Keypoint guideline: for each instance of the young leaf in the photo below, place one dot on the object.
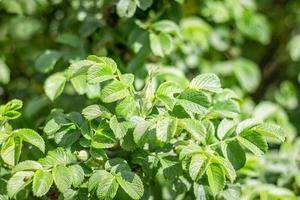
(100, 72)
(92, 112)
(42, 182)
(11, 150)
(165, 129)
(194, 127)
(54, 85)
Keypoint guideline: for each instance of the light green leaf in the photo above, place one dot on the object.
(79, 84)
(195, 127)
(225, 128)
(198, 166)
(58, 156)
(227, 166)
(228, 108)
(140, 130)
(30, 136)
(118, 128)
(18, 182)
(216, 178)
(62, 177)
(293, 48)
(246, 125)
(92, 112)
(54, 85)
(114, 91)
(106, 184)
(191, 107)
(166, 26)
(131, 184)
(161, 44)
(127, 107)
(126, 8)
(27, 165)
(11, 150)
(42, 182)
(208, 82)
(46, 62)
(144, 4)
(100, 72)
(165, 129)
(77, 175)
(4, 73)
(270, 130)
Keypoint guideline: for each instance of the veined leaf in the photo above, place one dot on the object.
(246, 125)
(192, 107)
(216, 178)
(127, 107)
(11, 150)
(208, 82)
(77, 175)
(225, 128)
(165, 129)
(131, 184)
(100, 72)
(114, 91)
(270, 130)
(62, 177)
(198, 166)
(195, 127)
(253, 141)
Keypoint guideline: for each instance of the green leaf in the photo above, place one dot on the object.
(246, 125)
(228, 108)
(144, 4)
(79, 84)
(77, 175)
(131, 184)
(18, 182)
(127, 107)
(270, 130)
(100, 72)
(225, 128)
(27, 165)
(165, 129)
(216, 178)
(247, 73)
(191, 107)
(195, 96)
(58, 156)
(4, 73)
(227, 166)
(126, 8)
(235, 154)
(253, 141)
(139, 131)
(208, 82)
(92, 112)
(106, 184)
(293, 48)
(54, 85)
(198, 166)
(42, 182)
(161, 44)
(118, 128)
(11, 150)
(46, 62)
(114, 91)
(30, 136)
(62, 177)
(195, 127)
(166, 26)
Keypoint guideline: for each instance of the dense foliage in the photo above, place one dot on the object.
(148, 99)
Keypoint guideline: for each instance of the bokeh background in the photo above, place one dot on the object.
(253, 46)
